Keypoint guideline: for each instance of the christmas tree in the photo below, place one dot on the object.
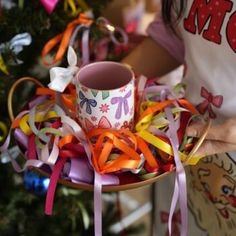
(25, 28)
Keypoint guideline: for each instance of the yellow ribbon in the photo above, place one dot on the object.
(24, 126)
(3, 129)
(74, 7)
(3, 66)
(143, 124)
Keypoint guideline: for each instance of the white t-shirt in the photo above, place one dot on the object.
(208, 33)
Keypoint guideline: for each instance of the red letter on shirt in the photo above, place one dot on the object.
(231, 31)
(213, 12)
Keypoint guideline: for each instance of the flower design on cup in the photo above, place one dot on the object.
(122, 102)
(104, 108)
(88, 102)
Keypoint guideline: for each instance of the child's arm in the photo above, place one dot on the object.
(158, 54)
(151, 59)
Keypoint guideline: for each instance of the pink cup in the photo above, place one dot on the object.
(105, 95)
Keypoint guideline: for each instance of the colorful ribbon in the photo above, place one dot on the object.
(113, 31)
(63, 39)
(49, 135)
(151, 115)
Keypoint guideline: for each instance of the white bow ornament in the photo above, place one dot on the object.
(60, 77)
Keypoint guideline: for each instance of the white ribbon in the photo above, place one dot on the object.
(60, 77)
(16, 45)
(20, 40)
(8, 4)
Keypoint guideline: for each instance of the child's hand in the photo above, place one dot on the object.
(220, 138)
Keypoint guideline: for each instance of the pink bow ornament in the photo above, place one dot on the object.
(49, 5)
(210, 100)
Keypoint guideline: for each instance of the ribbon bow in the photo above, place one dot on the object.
(60, 77)
(16, 45)
(175, 220)
(122, 101)
(210, 100)
(89, 103)
(49, 5)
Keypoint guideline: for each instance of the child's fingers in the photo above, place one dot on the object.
(210, 147)
(225, 132)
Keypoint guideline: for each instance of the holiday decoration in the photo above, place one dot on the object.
(34, 183)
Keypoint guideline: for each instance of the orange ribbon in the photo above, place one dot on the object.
(108, 140)
(157, 106)
(68, 98)
(63, 39)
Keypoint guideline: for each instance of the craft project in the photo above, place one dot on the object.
(61, 136)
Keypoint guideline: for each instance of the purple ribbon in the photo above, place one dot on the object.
(97, 203)
(180, 189)
(49, 5)
(21, 138)
(85, 42)
(122, 101)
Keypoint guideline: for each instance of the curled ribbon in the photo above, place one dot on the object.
(54, 138)
(107, 140)
(61, 77)
(63, 39)
(112, 31)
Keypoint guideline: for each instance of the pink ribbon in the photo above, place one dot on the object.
(210, 100)
(49, 5)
